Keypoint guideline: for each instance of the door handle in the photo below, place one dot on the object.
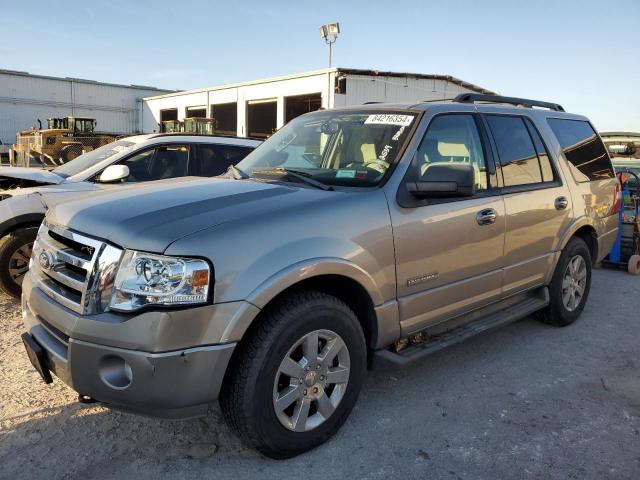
(561, 203)
(486, 217)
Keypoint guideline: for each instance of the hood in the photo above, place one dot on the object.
(48, 190)
(32, 175)
(153, 215)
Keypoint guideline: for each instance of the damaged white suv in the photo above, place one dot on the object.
(26, 191)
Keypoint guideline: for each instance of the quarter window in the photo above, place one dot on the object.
(518, 159)
(453, 139)
(583, 149)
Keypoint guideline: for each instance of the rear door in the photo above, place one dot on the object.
(448, 250)
(537, 204)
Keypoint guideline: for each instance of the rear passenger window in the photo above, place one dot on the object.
(215, 159)
(543, 155)
(583, 149)
(518, 158)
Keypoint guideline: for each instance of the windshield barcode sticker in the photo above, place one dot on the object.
(390, 119)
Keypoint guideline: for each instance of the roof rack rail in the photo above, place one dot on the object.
(524, 102)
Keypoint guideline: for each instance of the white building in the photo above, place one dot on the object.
(25, 98)
(258, 108)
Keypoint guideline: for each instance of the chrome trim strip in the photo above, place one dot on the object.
(67, 302)
(65, 279)
(63, 253)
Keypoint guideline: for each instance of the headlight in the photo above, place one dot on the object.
(147, 279)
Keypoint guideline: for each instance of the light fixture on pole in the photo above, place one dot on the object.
(329, 33)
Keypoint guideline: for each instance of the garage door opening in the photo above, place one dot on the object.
(168, 114)
(262, 118)
(196, 112)
(301, 104)
(226, 115)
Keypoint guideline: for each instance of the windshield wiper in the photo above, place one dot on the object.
(301, 176)
(236, 173)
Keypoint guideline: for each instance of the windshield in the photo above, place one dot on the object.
(335, 147)
(89, 159)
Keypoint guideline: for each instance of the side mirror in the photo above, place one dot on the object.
(443, 179)
(114, 173)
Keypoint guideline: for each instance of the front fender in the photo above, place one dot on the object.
(21, 210)
(285, 278)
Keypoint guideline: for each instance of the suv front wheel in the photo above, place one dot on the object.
(570, 285)
(15, 252)
(295, 379)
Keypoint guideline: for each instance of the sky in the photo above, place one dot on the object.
(583, 54)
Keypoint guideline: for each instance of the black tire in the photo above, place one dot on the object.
(70, 152)
(247, 400)
(20, 239)
(557, 314)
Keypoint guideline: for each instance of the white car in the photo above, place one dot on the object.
(26, 192)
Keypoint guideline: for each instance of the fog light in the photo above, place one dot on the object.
(115, 372)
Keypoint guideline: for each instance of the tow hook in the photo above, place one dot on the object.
(86, 399)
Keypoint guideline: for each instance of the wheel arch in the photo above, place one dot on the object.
(338, 278)
(584, 229)
(20, 221)
(590, 237)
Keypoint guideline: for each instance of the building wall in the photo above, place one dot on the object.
(242, 94)
(25, 98)
(360, 89)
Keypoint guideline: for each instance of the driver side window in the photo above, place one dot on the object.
(453, 139)
(167, 161)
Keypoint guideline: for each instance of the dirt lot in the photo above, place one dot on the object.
(528, 401)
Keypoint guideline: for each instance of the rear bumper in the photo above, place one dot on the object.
(178, 383)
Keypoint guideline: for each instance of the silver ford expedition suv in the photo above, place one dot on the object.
(377, 231)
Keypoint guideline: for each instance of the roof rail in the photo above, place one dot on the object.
(523, 102)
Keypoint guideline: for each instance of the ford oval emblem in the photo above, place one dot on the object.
(46, 260)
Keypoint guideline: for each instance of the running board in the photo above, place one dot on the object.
(498, 319)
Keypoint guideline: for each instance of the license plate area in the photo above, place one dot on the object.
(37, 356)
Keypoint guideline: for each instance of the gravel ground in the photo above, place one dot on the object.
(528, 401)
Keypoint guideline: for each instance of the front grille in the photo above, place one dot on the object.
(66, 266)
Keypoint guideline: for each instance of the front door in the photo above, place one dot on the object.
(449, 250)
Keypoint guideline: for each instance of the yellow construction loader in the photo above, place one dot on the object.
(63, 140)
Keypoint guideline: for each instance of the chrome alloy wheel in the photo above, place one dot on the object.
(311, 380)
(19, 262)
(574, 283)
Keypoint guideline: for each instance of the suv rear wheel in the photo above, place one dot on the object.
(295, 379)
(570, 285)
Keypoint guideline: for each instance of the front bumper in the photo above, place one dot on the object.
(176, 383)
